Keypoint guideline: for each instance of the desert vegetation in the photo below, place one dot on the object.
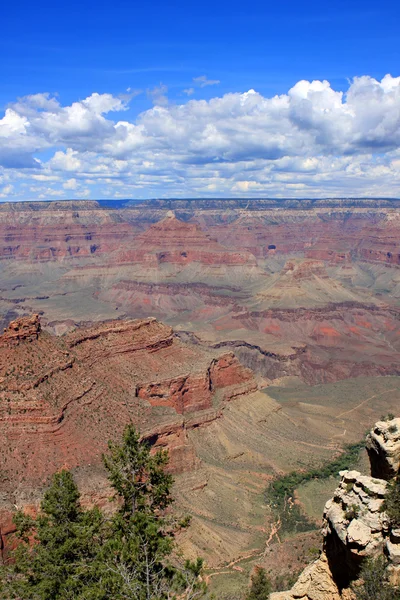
(260, 587)
(392, 501)
(280, 494)
(373, 583)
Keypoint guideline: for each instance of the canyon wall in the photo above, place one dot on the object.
(62, 399)
(338, 232)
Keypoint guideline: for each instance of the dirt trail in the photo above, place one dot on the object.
(347, 412)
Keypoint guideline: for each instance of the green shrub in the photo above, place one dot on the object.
(373, 582)
(352, 512)
(391, 503)
(388, 417)
(280, 493)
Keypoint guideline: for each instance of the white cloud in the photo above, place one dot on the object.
(158, 95)
(203, 81)
(6, 191)
(65, 161)
(189, 91)
(70, 184)
(314, 140)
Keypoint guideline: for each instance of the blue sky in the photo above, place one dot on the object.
(166, 54)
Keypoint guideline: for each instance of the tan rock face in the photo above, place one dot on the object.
(354, 516)
(315, 583)
(383, 446)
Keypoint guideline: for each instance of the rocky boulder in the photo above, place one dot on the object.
(25, 328)
(315, 583)
(383, 447)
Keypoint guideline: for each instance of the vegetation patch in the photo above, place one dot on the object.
(373, 582)
(391, 504)
(280, 494)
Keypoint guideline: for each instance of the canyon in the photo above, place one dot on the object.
(249, 338)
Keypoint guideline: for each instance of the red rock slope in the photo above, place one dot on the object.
(61, 399)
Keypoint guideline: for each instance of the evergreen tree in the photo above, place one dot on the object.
(135, 559)
(260, 587)
(68, 553)
(56, 550)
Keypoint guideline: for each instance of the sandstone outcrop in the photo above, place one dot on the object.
(315, 583)
(383, 447)
(355, 528)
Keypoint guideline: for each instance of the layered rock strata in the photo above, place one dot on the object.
(338, 232)
(26, 328)
(61, 399)
(174, 241)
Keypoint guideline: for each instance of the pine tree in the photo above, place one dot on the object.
(56, 550)
(68, 553)
(260, 587)
(135, 558)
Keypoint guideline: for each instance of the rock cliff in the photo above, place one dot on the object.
(355, 525)
(383, 447)
(320, 276)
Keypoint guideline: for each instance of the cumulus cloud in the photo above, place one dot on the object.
(189, 91)
(313, 140)
(70, 184)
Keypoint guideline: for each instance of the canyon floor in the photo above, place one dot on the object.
(250, 339)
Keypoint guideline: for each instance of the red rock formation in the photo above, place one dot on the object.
(190, 393)
(62, 230)
(185, 393)
(227, 370)
(42, 232)
(25, 328)
(61, 399)
(173, 241)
